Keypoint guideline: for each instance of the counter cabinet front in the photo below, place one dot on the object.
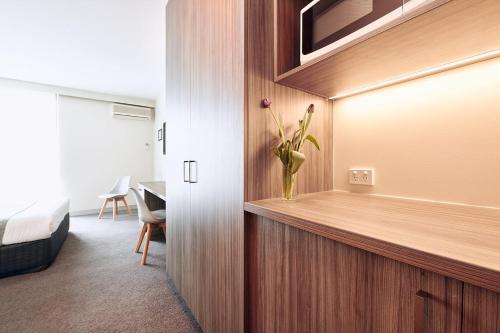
(299, 281)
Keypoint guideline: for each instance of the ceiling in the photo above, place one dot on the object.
(107, 46)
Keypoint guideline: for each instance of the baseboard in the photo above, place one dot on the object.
(97, 210)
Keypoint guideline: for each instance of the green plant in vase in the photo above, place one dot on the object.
(289, 151)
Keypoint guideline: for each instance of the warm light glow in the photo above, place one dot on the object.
(422, 73)
(434, 138)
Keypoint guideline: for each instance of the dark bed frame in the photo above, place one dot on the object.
(32, 256)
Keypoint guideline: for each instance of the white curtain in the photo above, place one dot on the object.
(29, 164)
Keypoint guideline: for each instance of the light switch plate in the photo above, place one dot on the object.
(362, 177)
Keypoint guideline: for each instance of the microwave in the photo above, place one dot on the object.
(328, 25)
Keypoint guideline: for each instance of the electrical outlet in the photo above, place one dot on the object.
(362, 177)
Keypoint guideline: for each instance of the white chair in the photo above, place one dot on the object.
(151, 220)
(117, 193)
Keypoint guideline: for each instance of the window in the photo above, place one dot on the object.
(29, 166)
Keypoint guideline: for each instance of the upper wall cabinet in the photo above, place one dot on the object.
(327, 26)
(330, 47)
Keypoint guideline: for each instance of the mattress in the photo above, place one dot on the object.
(32, 256)
(31, 221)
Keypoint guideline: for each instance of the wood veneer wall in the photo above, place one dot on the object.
(287, 34)
(262, 168)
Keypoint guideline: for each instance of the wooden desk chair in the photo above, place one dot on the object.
(151, 220)
(117, 193)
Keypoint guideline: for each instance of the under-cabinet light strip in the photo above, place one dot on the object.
(422, 73)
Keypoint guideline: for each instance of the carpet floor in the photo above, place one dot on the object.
(96, 284)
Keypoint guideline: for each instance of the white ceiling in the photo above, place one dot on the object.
(108, 46)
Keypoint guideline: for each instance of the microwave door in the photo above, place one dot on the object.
(339, 15)
(329, 24)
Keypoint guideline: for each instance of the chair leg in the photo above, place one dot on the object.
(126, 205)
(141, 237)
(146, 246)
(115, 209)
(103, 208)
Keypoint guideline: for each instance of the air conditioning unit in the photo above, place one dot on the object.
(124, 111)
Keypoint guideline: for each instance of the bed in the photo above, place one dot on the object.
(31, 234)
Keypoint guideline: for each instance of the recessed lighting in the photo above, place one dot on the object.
(422, 73)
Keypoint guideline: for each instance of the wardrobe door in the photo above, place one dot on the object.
(217, 109)
(177, 101)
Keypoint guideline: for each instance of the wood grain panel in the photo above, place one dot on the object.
(458, 241)
(287, 34)
(481, 310)
(217, 133)
(177, 113)
(457, 29)
(301, 282)
(205, 81)
(262, 168)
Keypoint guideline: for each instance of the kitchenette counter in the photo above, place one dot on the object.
(461, 242)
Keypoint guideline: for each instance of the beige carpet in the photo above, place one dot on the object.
(96, 284)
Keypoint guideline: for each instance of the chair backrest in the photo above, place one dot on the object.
(142, 210)
(121, 186)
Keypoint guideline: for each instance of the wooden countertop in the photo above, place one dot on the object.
(462, 242)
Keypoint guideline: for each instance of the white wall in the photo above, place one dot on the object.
(435, 138)
(160, 160)
(96, 149)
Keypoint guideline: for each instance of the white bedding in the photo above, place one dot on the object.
(33, 220)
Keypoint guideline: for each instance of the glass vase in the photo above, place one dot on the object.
(288, 183)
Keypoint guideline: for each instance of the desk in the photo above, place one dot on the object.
(153, 194)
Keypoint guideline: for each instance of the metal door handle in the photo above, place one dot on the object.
(193, 172)
(186, 172)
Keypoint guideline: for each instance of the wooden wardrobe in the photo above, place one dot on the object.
(204, 148)
(219, 65)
